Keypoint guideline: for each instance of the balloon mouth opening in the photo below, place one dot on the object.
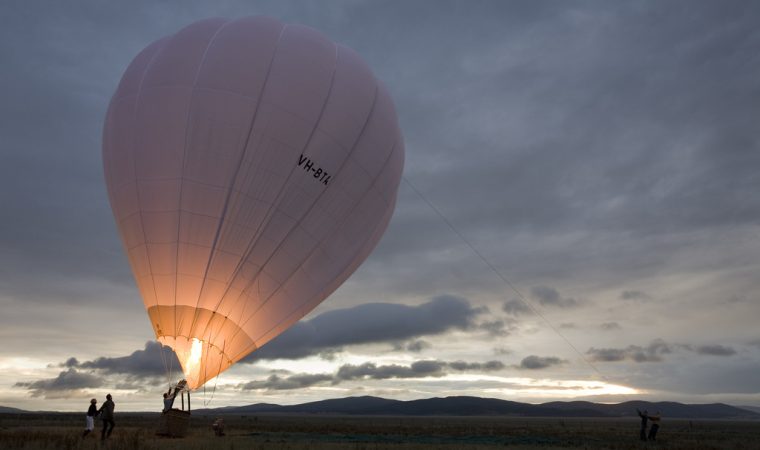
(191, 353)
(201, 355)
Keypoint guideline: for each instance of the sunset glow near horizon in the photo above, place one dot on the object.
(600, 157)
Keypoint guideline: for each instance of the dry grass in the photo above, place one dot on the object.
(137, 431)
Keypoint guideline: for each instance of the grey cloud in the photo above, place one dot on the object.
(492, 365)
(277, 383)
(370, 371)
(634, 295)
(148, 362)
(496, 328)
(71, 362)
(698, 376)
(425, 368)
(652, 353)
(548, 296)
(418, 346)
(68, 383)
(516, 308)
(715, 350)
(738, 299)
(607, 354)
(415, 346)
(610, 326)
(708, 349)
(486, 367)
(534, 362)
(135, 371)
(370, 323)
(329, 354)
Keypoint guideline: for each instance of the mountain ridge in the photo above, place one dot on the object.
(480, 406)
(475, 406)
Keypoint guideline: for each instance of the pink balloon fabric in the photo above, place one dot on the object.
(251, 166)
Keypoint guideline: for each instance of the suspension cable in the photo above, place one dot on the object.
(503, 278)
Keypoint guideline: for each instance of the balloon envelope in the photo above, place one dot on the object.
(251, 167)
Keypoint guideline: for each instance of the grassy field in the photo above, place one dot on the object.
(137, 431)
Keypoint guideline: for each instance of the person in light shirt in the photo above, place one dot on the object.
(92, 412)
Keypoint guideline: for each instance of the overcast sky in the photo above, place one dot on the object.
(603, 157)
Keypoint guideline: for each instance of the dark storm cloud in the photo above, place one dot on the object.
(614, 128)
(68, 383)
(534, 362)
(371, 371)
(52, 180)
(152, 361)
(548, 296)
(370, 323)
(652, 353)
(482, 93)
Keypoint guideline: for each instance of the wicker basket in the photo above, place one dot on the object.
(174, 423)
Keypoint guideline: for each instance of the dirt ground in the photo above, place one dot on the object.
(137, 431)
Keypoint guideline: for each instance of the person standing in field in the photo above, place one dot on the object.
(644, 417)
(106, 415)
(655, 426)
(90, 418)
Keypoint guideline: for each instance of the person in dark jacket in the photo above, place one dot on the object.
(92, 412)
(106, 415)
(644, 417)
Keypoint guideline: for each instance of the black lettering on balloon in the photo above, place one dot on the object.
(310, 166)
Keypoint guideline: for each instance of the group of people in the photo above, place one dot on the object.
(646, 417)
(105, 413)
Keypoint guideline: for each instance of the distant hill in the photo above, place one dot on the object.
(750, 408)
(9, 410)
(476, 406)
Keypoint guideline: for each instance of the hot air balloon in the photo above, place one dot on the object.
(251, 167)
